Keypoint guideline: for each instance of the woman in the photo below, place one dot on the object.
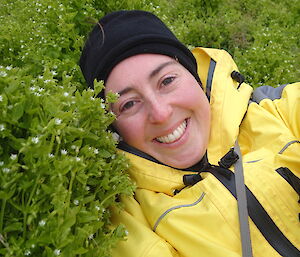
(180, 115)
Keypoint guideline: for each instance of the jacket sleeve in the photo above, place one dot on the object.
(286, 104)
(141, 241)
(289, 108)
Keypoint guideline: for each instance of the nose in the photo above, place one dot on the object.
(159, 111)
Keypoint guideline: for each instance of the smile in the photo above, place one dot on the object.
(175, 135)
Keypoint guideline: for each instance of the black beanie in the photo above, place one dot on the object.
(122, 34)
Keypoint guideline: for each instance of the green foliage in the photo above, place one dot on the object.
(262, 36)
(60, 173)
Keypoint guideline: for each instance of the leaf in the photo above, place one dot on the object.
(80, 250)
(17, 111)
(104, 153)
(17, 226)
(85, 217)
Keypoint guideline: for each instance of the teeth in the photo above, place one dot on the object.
(177, 133)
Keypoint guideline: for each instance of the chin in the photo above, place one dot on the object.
(184, 163)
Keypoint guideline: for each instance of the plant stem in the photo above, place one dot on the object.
(33, 191)
(2, 214)
(70, 188)
(109, 196)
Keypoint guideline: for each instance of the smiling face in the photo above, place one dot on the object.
(162, 110)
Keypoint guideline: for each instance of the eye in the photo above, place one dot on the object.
(167, 81)
(127, 106)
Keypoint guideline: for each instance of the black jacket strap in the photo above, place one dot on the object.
(261, 219)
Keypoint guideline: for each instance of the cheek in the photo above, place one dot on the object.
(192, 95)
(131, 130)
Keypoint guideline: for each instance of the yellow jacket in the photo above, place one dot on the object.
(202, 220)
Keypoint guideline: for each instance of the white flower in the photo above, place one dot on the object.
(40, 76)
(57, 252)
(37, 94)
(54, 72)
(66, 94)
(27, 253)
(64, 152)
(1, 98)
(50, 155)
(97, 208)
(47, 80)
(92, 98)
(57, 121)
(102, 105)
(116, 136)
(42, 223)
(32, 88)
(73, 147)
(96, 151)
(87, 188)
(41, 89)
(8, 67)
(76, 202)
(6, 170)
(2, 127)
(1, 163)
(126, 232)
(35, 140)
(13, 156)
(78, 159)
(91, 236)
(3, 74)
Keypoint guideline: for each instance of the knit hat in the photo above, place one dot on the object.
(122, 34)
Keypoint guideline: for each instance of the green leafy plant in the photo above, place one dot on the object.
(60, 172)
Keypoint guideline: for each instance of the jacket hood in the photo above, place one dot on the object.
(228, 99)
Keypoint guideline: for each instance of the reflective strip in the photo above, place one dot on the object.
(253, 161)
(174, 208)
(287, 145)
(242, 204)
(210, 75)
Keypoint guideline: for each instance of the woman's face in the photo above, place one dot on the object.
(161, 110)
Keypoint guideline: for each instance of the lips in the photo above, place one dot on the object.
(175, 135)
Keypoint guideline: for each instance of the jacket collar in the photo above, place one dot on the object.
(228, 102)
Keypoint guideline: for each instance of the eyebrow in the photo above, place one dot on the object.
(151, 75)
(160, 67)
(125, 90)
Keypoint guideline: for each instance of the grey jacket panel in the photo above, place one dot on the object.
(267, 92)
